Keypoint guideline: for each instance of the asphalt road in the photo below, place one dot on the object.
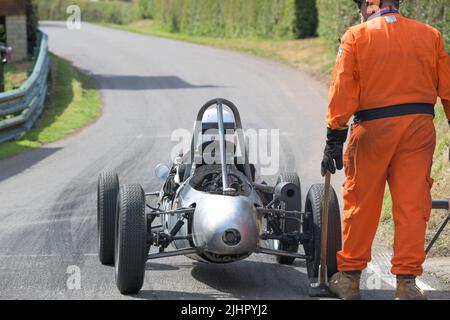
(151, 87)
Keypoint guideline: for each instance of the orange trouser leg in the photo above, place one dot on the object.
(410, 185)
(371, 148)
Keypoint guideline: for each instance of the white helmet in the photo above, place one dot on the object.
(210, 121)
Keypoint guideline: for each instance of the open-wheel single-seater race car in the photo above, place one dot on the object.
(212, 211)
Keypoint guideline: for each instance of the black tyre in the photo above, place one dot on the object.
(108, 190)
(313, 224)
(131, 240)
(289, 225)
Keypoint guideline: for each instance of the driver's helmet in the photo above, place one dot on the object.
(209, 139)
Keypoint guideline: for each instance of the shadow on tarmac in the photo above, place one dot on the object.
(138, 83)
(21, 162)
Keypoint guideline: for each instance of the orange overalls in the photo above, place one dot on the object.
(389, 60)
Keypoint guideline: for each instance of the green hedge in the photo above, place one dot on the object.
(237, 18)
(119, 12)
(336, 16)
(217, 18)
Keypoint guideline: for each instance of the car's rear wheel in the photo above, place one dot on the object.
(289, 225)
(107, 192)
(313, 225)
(131, 240)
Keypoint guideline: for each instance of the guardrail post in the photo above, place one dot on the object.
(2, 78)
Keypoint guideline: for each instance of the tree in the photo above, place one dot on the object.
(306, 18)
(32, 24)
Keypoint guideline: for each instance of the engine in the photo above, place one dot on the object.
(209, 179)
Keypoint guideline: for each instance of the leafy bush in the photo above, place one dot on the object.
(336, 16)
(146, 8)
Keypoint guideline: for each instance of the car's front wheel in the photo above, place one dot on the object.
(313, 226)
(131, 240)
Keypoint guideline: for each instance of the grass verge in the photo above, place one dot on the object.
(16, 74)
(73, 103)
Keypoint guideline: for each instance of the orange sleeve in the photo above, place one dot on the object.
(444, 76)
(345, 89)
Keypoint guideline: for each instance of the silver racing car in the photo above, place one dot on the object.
(212, 208)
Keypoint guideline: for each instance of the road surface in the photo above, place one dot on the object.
(150, 87)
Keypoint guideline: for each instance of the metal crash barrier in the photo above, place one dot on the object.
(20, 108)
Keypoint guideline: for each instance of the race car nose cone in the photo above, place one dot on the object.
(231, 237)
(225, 225)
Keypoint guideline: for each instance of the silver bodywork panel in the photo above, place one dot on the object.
(214, 214)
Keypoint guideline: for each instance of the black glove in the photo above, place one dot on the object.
(333, 155)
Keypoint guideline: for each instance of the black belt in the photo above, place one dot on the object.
(394, 111)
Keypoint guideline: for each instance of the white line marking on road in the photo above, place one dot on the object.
(381, 265)
(424, 286)
(46, 255)
(41, 222)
